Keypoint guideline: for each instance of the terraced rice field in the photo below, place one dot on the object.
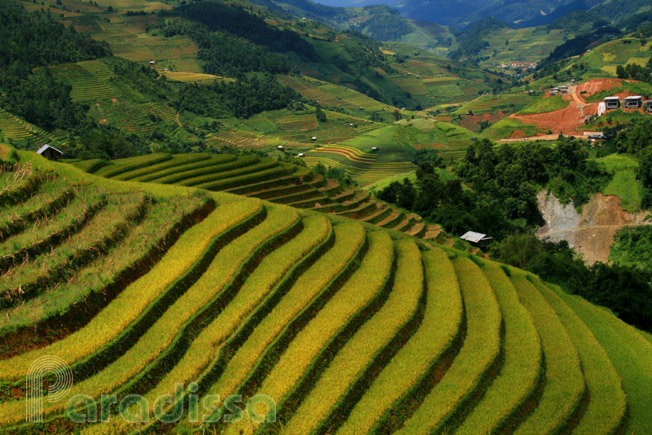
(13, 128)
(260, 177)
(236, 138)
(330, 95)
(363, 167)
(90, 82)
(301, 322)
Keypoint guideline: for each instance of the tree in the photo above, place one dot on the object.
(620, 72)
(645, 167)
(320, 115)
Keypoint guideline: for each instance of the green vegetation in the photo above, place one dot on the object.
(502, 185)
(395, 386)
(504, 129)
(549, 104)
(624, 183)
(632, 248)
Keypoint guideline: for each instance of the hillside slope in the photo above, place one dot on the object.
(344, 327)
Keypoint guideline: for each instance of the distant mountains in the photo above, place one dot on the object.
(378, 21)
(516, 13)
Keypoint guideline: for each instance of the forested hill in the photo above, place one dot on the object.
(31, 41)
(378, 21)
(235, 40)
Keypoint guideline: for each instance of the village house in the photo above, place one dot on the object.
(49, 152)
(634, 102)
(612, 103)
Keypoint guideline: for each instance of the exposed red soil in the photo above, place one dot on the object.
(517, 134)
(571, 119)
(596, 86)
(567, 120)
(472, 122)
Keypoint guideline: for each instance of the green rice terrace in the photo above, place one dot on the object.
(264, 178)
(145, 280)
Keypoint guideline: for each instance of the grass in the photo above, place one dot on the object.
(624, 184)
(91, 165)
(261, 166)
(179, 174)
(134, 300)
(349, 238)
(564, 378)
(608, 403)
(478, 354)
(508, 103)
(504, 128)
(543, 105)
(50, 232)
(353, 359)
(272, 172)
(359, 291)
(50, 198)
(104, 230)
(216, 162)
(522, 367)
(436, 334)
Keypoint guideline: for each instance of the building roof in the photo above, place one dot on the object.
(612, 98)
(634, 97)
(474, 237)
(45, 147)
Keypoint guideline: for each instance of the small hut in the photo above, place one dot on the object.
(50, 152)
(374, 149)
(477, 239)
(648, 106)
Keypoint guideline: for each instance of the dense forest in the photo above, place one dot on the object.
(30, 41)
(241, 99)
(498, 194)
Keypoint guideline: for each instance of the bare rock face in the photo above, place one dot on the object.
(590, 232)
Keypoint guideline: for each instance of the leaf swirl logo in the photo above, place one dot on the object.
(59, 379)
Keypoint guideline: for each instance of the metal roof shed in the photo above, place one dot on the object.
(50, 152)
(478, 239)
